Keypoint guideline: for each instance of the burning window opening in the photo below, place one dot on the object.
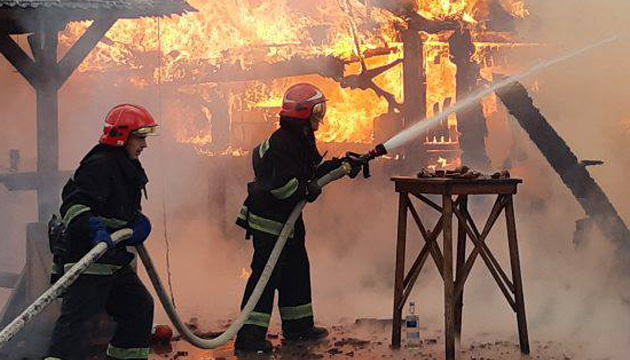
(234, 60)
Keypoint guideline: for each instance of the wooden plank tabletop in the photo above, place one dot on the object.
(458, 186)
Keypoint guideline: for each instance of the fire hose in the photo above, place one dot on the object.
(186, 333)
(73, 273)
(59, 287)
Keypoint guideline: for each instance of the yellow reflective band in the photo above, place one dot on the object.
(73, 212)
(287, 190)
(113, 223)
(258, 319)
(96, 269)
(265, 225)
(54, 268)
(296, 312)
(134, 353)
(78, 209)
(263, 148)
(243, 214)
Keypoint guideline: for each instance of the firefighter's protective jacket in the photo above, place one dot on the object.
(283, 165)
(108, 184)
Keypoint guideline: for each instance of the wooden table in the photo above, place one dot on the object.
(512, 287)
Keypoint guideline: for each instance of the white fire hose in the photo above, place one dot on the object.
(59, 287)
(258, 290)
(71, 276)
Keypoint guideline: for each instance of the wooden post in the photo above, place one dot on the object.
(461, 259)
(449, 286)
(47, 120)
(400, 270)
(516, 276)
(471, 122)
(414, 90)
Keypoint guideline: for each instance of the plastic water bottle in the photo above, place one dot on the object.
(412, 327)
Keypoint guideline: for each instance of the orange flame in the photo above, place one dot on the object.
(251, 31)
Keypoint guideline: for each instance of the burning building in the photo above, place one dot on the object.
(383, 64)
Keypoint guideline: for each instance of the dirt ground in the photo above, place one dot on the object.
(370, 339)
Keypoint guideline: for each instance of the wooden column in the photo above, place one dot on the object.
(46, 76)
(44, 47)
(471, 122)
(400, 270)
(516, 276)
(449, 286)
(461, 259)
(414, 91)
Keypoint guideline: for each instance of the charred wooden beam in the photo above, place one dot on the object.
(327, 66)
(365, 81)
(471, 122)
(574, 174)
(414, 89)
(415, 21)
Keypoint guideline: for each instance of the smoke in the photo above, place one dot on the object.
(573, 297)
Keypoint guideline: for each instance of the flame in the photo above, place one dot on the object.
(446, 9)
(246, 32)
(444, 164)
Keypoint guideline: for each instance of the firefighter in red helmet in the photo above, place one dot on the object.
(286, 167)
(103, 196)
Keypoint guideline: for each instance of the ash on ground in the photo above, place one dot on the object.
(370, 339)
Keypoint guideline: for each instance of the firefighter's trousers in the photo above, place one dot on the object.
(291, 277)
(122, 296)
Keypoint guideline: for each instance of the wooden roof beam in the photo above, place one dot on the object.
(82, 48)
(20, 60)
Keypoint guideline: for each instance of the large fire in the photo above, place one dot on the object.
(246, 32)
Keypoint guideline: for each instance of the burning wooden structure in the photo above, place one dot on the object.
(382, 64)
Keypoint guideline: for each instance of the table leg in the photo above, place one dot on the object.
(516, 276)
(461, 259)
(400, 270)
(449, 288)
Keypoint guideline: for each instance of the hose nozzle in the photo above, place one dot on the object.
(379, 150)
(363, 160)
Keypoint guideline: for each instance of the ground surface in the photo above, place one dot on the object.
(370, 339)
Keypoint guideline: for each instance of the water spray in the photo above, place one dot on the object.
(417, 129)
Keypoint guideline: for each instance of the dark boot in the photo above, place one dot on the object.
(312, 333)
(252, 339)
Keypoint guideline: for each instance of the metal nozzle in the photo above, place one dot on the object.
(379, 150)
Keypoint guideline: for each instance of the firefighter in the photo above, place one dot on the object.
(286, 167)
(103, 196)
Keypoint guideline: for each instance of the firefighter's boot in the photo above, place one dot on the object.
(310, 334)
(252, 339)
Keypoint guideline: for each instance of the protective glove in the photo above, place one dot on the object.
(99, 232)
(312, 191)
(355, 162)
(141, 227)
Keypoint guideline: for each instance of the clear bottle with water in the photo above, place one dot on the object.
(412, 326)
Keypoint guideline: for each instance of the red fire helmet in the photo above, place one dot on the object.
(125, 119)
(301, 100)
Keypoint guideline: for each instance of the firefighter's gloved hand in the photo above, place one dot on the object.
(141, 229)
(99, 232)
(312, 191)
(355, 163)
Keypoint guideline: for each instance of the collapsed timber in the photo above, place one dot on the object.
(573, 172)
